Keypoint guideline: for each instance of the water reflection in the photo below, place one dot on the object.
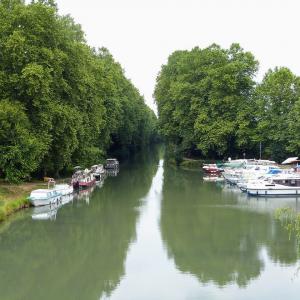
(112, 172)
(49, 212)
(81, 255)
(214, 235)
(84, 195)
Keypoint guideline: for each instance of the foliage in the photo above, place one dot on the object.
(20, 150)
(203, 98)
(208, 101)
(75, 102)
(277, 99)
(12, 206)
(290, 219)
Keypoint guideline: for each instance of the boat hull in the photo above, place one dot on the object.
(42, 202)
(87, 184)
(274, 192)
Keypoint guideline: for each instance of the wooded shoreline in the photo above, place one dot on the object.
(62, 102)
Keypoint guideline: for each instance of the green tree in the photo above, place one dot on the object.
(277, 98)
(204, 99)
(78, 101)
(20, 150)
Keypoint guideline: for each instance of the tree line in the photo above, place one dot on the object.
(62, 103)
(210, 105)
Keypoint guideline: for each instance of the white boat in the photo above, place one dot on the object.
(98, 172)
(44, 197)
(112, 163)
(250, 171)
(63, 189)
(256, 175)
(283, 185)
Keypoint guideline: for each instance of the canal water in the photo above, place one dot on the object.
(151, 232)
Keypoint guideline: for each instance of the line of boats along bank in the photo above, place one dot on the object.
(259, 178)
(81, 179)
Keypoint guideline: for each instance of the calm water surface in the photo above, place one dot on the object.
(152, 232)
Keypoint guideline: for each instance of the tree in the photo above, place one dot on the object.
(277, 98)
(203, 99)
(20, 150)
(77, 101)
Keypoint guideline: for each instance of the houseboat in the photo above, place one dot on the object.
(98, 172)
(86, 179)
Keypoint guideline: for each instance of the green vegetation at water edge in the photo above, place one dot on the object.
(209, 105)
(290, 219)
(9, 207)
(62, 103)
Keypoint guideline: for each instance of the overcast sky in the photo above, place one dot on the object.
(142, 34)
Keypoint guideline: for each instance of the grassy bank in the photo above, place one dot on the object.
(13, 197)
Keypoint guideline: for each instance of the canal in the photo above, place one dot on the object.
(151, 232)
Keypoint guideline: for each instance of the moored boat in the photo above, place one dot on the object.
(44, 197)
(98, 172)
(212, 169)
(63, 189)
(86, 179)
(284, 185)
(112, 163)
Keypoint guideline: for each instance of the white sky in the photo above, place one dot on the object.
(142, 34)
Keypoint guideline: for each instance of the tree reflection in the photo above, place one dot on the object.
(81, 255)
(209, 236)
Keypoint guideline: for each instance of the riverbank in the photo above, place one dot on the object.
(13, 197)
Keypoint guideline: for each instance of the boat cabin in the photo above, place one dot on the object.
(111, 163)
(288, 182)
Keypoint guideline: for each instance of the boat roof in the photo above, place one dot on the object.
(290, 160)
(41, 191)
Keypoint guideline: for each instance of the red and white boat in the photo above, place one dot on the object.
(83, 179)
(212, 169)
(87, 179)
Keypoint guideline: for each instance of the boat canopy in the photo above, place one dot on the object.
(290, 160)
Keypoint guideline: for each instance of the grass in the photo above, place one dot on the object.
(13, 206)
(13, 197)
